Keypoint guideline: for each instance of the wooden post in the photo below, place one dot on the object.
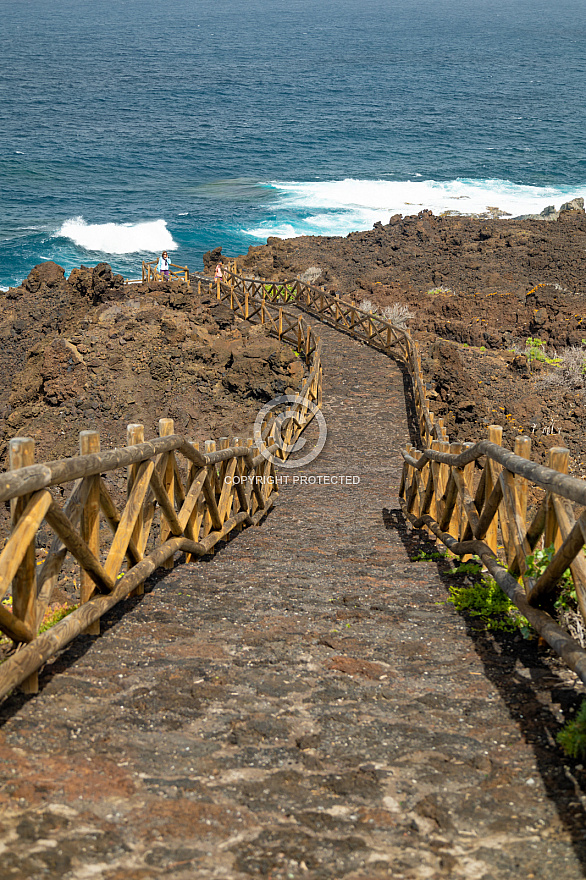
(443, 475)
(197, 517)
(218, 291)
(223, 443)
(495, 435)
(434, 475)
(24, 584)
(134, 436)
(236, 505)
(199, 288)
(522, 448)
(468, 476)
(166, 428)
(210, 446)
(558, 459)
(89, 442)
(456, 520)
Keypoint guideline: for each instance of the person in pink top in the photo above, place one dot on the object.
(219, 276)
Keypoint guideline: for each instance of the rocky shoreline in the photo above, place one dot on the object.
(477, 291)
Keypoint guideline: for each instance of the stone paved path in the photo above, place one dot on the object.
(299, 706)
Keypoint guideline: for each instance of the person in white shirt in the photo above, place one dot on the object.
(163, 265)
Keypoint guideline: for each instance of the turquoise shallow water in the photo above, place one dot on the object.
(129, 127)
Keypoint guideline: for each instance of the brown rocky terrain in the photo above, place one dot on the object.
(303, 705)
(88, 352)
(478, 289)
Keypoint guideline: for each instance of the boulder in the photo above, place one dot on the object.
(44, 275)
(573, 205)
(210, 259)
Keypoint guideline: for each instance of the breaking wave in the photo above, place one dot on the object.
(118, 238)
(337, 207)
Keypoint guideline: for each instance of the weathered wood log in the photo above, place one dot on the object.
(21, 452)
(113, 519)
(32, 478)
(160, 492)
(79, 549)
(192, 496)
(51, 567)
(20, 540)
(89, 443)
(166, 428)
(123, 535)
(570, 651)
(558, 459)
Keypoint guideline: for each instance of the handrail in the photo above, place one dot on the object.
(150, 273)
(348, 318)
(472, 497)
(179, 498)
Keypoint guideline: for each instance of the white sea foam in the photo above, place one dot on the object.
(118, 238)
(285, 230)
(337, 207)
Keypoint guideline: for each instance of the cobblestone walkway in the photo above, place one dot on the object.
(300, 706)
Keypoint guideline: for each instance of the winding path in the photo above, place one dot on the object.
(302, 705)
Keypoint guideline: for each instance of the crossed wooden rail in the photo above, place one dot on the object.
(368, 327)
(149, 272)
(483, 511)
(472, 497)
(179, 499)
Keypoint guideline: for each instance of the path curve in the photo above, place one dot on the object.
(298, 706)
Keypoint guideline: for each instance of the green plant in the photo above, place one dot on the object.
(566, 602)
(537, 562)
(52, 616)
(572, 737)
(421, 555)
(284, 292)
(468, 568)
(55, 614)
(437, 290)
(485, 599)
(534, 350)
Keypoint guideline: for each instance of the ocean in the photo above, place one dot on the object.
(137, 126)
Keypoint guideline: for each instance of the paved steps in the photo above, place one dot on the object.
(301, 705)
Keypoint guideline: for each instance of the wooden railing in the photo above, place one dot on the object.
(368, 327)
(176, 273)
(179, 498)
(472, 496)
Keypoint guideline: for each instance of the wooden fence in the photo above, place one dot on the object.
(176, 273)
(472, 496)
(368, 327)
(179, 498)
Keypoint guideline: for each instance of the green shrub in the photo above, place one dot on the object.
(538, 561)
(572, 737)
(485, 599)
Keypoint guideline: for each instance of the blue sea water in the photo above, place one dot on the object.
(129, 127)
